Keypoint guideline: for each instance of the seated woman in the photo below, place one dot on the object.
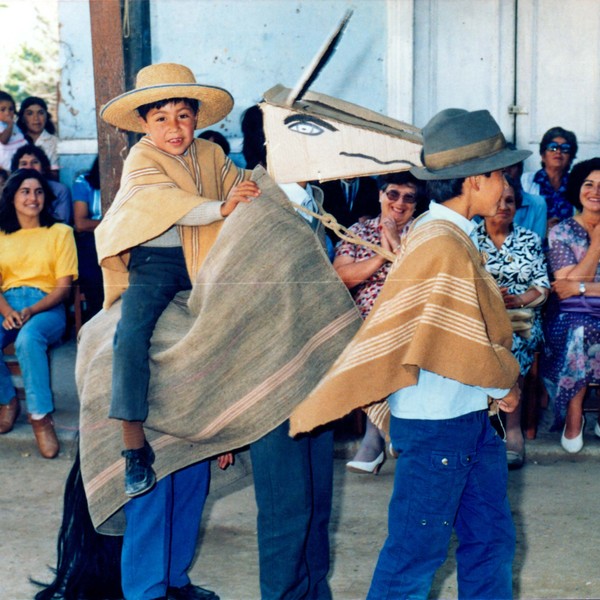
(38, 262)
(37, 126)
(572, 323)
(515, 259)
(364, 273)
(34, 157)
(558, 149)
(87, 214)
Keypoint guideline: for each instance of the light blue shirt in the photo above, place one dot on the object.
(435, 397)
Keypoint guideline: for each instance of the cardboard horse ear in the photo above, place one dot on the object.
(311, 136)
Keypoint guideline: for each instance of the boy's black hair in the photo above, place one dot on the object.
(146, 108)
(6, 97)
(9, 223)
(445, 189)
(35, 151)
(442, 190)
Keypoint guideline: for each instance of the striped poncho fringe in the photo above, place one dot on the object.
(266, 318)
(439, 310)
(157, 189)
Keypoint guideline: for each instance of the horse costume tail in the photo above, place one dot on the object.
(88, 563)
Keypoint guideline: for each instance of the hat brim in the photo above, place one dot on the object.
(477, 166)
(215, 104)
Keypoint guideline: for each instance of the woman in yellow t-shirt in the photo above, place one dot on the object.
(38, 262)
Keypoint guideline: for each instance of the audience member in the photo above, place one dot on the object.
(38, 262)
(401, 198)
(216, 138)
(34, 157)
(515, 259)
(558, 149)
(571, 360)
(532, 214)
(350, 201)
(11, 137)
(87, 213)
(35, 122)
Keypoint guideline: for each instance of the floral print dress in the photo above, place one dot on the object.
(518, 265)
(366, 293)
(571, 359)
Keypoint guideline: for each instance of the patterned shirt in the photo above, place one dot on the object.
(366, 292)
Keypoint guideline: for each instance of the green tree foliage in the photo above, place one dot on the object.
(33, 69)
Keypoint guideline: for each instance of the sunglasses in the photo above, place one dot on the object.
(395, 195)
(556, 147)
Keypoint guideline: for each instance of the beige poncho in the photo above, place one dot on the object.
(439, 310)
(157, 189)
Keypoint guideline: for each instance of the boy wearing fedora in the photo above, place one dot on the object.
(175, 191)
(451, 469)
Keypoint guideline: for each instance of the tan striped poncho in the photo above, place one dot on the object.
(157, 189)
(439, 310)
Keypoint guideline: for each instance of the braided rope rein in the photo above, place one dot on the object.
(342, 232)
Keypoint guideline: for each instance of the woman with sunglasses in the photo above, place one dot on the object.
(558, 149)
(364, 272)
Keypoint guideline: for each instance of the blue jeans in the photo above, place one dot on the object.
(161, 533)
(155, 276)
(293, 483)
(449, 473)
(31, 346)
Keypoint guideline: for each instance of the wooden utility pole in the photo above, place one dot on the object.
(115, 63)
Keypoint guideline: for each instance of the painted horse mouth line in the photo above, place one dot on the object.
(380, 162)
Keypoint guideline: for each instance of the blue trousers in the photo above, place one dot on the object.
(293, 482)
(31, 346)
(155, 276)
(449, 473)
(161, 533)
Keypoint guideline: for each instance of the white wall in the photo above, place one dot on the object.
(245, 46)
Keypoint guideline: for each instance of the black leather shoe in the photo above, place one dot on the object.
(139, 475)
(190, 592)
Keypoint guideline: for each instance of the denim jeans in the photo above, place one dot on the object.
(31, 346)
(155, 276)
(449, 473)
(162, 532)
(293, 483)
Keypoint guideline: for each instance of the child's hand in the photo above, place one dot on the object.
(224, 460)
(245, 192)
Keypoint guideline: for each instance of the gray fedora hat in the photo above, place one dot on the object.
(458, 143)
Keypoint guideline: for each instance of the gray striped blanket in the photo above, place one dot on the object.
(265, 320)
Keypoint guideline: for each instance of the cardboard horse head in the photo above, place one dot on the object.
(311, 136)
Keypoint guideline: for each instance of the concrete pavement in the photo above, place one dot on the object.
(553, 498)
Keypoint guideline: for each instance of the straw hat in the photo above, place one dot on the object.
(458, 143)
(161, 82)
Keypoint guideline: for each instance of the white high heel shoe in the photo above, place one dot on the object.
(357, 466)
(574, 445)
